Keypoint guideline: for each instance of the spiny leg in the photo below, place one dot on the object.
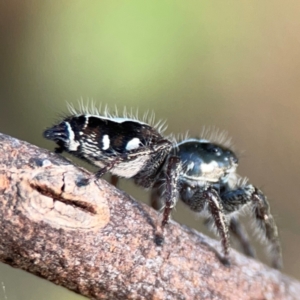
(156, 203)
(171, 192)
(199, 198)
(267, 223)
(212, 197)
(240, 233)
(233, 200)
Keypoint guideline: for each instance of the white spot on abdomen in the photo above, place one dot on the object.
(73, 144)
(105, 142)
(133, 144)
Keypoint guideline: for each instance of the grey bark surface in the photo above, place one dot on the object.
(99, 242)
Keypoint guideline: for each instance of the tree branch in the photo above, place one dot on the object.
(99, 242)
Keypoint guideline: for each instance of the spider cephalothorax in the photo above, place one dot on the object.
(200, 172)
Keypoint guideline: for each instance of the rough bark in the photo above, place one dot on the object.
(101, 243)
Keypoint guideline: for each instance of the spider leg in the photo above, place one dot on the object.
(215, 208)
(207, 198)
(101, 172)
(110, 165)
(267, 224)
(59, 149)
(235, 199)
(114, 180)
(240, 233)
(236, 229)
(156, 196)
(171, 192)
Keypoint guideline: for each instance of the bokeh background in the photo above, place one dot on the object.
(230, 64)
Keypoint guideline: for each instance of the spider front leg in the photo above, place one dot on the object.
(238, 231)
(200, 198)
(212, 198)
(267, 223)
(235, 199)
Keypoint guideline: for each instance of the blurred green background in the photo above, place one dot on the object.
(231, 64)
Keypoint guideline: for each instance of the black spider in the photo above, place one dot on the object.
(200, 172)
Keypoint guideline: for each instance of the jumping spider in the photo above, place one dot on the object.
(200, 172)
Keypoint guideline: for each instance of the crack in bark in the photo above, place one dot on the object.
(75, 203)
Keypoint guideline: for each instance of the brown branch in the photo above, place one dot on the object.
(99, 242)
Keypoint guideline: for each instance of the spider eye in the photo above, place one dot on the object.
(229, 155)
(214, 149)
